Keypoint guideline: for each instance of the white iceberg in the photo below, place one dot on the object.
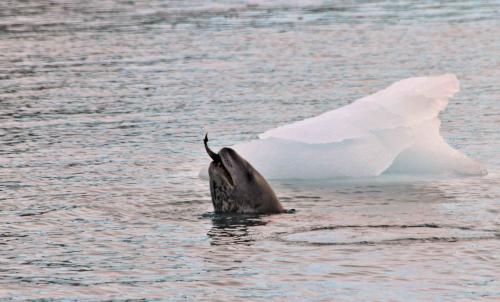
(393, 131)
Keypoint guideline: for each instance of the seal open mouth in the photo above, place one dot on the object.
(217, 162)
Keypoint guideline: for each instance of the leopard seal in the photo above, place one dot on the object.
(237, 187)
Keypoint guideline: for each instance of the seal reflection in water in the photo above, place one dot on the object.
(237, 187)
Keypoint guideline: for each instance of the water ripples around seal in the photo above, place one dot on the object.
(386, 234)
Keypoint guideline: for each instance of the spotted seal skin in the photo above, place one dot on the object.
(236, 186)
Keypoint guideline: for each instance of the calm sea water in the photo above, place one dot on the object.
(103, 107)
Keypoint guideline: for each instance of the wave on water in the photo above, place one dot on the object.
(386, 234)
(393, 131)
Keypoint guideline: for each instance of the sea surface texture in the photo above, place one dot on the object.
(103, 108)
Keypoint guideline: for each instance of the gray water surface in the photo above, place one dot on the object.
(103, 107)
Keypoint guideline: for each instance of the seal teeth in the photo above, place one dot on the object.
(214, 156)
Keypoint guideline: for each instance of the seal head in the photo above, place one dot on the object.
(236, 186)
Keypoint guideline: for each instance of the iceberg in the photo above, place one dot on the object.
(393, 131)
